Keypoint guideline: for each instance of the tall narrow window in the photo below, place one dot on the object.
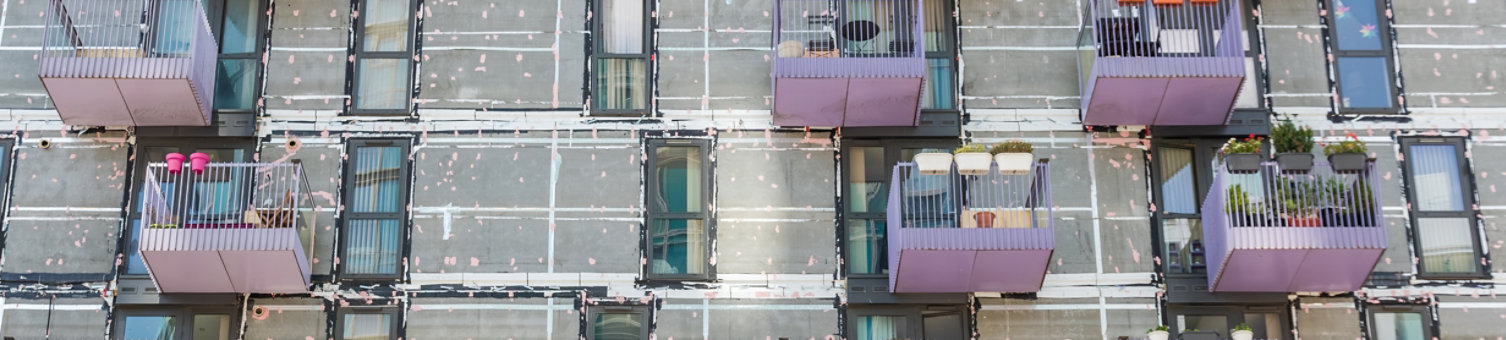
(620, 58)
(376, 195)
(867, 165)
(941, 57)
(1440, 189)
(1400, 323)
(240, 32)
(1362, 53)
(384, 56)
(679, 226)
(368, 324)
(618, 323)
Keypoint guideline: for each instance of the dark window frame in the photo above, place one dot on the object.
(138, 180)
(1387, 51)
(598, 52)
(1203, 156)
(1467, 187)
(183, 318)
(7, 168)
(1233, 314)
(949, 52)
(654, 212)
(1429, 328)
(359, 54)
(217, 21)
(642, 311)
(914, 318)
(397, 320)
(1253, 39)
(405, 176)
(893, 152)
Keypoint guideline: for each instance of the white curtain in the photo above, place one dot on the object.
(622, 26)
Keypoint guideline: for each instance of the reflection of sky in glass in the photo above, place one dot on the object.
(1363, 83)
(148, 327)
(1355, 25)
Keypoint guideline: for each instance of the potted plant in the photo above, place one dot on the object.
(1293, 147)
(1161, 332)
(1347, 156)
(1238, 207)
(1014, 156)
(972, 159)
(933, 163)
(1242, 156)
(1300, 202)
(1242, 332)
(1355, 206)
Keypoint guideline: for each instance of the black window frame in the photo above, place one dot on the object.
(397, 322)
(598, 52)
(138, 181)
(1204, 155)
(1430, 323)
(654, 212)
(182, 318)
(949, 52)
(1233, 314)
(914, 318)
(893, 154)
(1467, 187)
(217, 20)
(1253, 49)
(358, 54)
(1387, 52)
(643, 312)
(347, 190)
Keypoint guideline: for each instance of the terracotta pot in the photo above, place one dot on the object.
(973, 163)
(1304, 221)
(175, 163)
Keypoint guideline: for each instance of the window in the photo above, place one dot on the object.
(240, 32)
(375, 216)
(1400, 322)
(1251, 95)
(1440, 188)
(680, 231)
(1267, 322)
(1362, 53)
(173, 324)
(618, 323)
(907, 322)
(1183, 172)
(384, 56)
(368, 324)
(156, 152)
(941, 57)
(867, 165)
(620, 58)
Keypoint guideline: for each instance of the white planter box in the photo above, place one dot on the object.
(1157, 335)
(933, 163)
(1242, 335)
(1014, 163)
(974, 163)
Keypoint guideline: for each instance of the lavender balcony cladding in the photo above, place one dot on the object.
(969, 233)
(234, 228)
(129, 62)
(1270, 231)
(848, 62)
(1146, 64)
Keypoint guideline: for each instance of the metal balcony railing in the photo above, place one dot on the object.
(848, 38)
(1323, 229)
(969, 233)
(129, 40)
(257, 219)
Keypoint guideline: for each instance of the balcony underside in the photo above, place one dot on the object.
(846, 101)
(1298, 259)
(126, 101)
(1149, 99)
(960, 260)
(255, 260)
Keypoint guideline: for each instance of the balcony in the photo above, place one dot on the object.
(234, 228)
(1269, 231)
(1147, 64)
(848, 62)
(129, 62)
(959, 233)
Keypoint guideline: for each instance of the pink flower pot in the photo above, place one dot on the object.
(174, 163)
(197, 161)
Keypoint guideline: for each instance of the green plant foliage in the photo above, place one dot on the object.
(1162, 328)
(1241, 327)
(1012, 146)
(1289, 138)
(1353, 145)
(971, 147)
(1250, 144)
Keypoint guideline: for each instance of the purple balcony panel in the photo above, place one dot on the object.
(100, 68)
(1161, 65)
(234, 228)
(969, 233)
(1270, 231)
(862, 67)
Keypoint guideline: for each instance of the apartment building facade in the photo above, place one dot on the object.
(709, 169)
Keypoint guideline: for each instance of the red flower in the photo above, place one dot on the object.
(1352, 136)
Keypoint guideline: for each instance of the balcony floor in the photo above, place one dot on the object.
(125, 101)
(846, 101)
(238, 271)
(1162, 101)
(1296, 270)
(960, 260)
